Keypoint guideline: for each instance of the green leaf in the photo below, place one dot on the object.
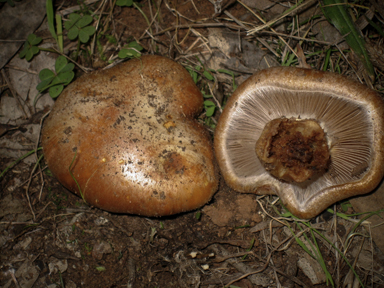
(111, 39)
(66, 77)
(50, 18)
(73, 33)
(43, 84)
(208, 75)
(336, 13)
(135, 45)
(83, 36)
(74, 18)
(68, 25)
(345, 205)
(24, 51)
(193, 74)
(228, 72)
(123, 53)
(46, 74)
(55, 90)
(29, 49)
(210, 111)
(100, 268)
(59, 27)
(68, 67)
(374, 25)
(128, 53)
(209, 108)
(90, 30)
(208, 103)
(84, 21)
(60, 63)
(29, 55)
(34, 50)
(33, 39)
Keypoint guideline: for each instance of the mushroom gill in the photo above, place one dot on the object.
(349, 114)
(130, 133)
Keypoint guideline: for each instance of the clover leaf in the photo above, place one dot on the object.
(209, 108)
(30, 48)
(131, 50)
(55, 82)
(77, 27)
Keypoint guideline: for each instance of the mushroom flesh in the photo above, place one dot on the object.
(311, 137)
(133, 140)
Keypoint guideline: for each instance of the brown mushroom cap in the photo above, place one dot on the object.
(351, 115)
(139, 150)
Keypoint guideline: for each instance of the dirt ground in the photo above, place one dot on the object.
(50, 238)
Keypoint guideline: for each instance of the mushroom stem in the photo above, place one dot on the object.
(293, 150)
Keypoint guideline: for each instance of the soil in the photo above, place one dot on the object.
(50, 238)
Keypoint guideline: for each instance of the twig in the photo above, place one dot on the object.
(12, 272)
(21, 69)
(262, 20)
(37, 144)
(214, 98)
(199, 25)
(273, 21)
(131, 273)
(14, 94)
(75, 8)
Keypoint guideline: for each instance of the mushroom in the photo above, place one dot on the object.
(130, 140)
(311, 137)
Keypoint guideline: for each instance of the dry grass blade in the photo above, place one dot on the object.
(289, 12)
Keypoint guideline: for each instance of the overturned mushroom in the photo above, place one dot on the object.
(313, 138)
(132, 138)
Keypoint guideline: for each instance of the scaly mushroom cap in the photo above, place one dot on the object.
(350, 114)
(138, 148)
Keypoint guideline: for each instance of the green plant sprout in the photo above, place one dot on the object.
(30, 48)
(78, 27)
(249, 249)
(17, 161)
(100, 268)
(338, 15)
(315, 247)
(55, 82)
(198, 73)
(198, 215)
(110, 38)
(209, 107)
(88, 247)
(73, 177)
(57, 35)
(132, 50)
